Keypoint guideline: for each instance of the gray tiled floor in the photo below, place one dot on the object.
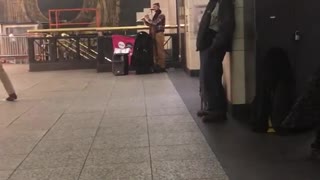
(82, 125)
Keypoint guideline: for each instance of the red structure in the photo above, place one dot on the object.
(55, 21)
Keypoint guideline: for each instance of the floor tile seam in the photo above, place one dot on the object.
(49, 168)
(175, 144)
(97, 130)
(118, 163)
(190, 110)
(68, 113)
(36, 144)
(119, 148)
(148, 128)
(90, 148)
(34, 85)
(190, 114)
(206, 160)
(124, 134)
(88, 82)
(185, 144)
(161, 115)
(23, 113)
(73, 139)
(200, 159)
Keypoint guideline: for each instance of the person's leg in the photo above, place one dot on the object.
(213, 70)
(156, 60)
(7, 84)
(160, 50)
(155, 53)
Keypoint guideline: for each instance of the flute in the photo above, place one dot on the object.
(149, 14)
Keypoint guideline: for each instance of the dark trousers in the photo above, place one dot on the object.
(211, 88)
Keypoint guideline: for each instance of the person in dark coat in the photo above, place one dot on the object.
(215, 36)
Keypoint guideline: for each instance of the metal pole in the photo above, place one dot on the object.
(178, 27)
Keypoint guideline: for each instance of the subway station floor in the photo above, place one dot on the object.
(70, 125)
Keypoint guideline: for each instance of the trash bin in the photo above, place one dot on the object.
(120, 62)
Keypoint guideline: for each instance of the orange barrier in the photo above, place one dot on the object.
(55, 22)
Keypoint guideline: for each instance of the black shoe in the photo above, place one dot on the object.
(260, 130)
(156, 69)
(12, 97)
(213, 117)
(202, 113)
(163, 70)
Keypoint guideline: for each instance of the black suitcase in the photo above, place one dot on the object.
(142, 57)
(120, 64)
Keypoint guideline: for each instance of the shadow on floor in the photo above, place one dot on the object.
(244, 154)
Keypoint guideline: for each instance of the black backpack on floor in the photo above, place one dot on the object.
(142, 57)
(275, 87)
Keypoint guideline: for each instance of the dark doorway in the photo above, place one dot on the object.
(308, 47)
(275, 25)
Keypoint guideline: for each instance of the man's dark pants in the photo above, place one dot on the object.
(211, 70)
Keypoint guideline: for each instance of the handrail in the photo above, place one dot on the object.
(82, 45)
(98, 29)
(66, 46)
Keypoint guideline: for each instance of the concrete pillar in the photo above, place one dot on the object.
(237, 65)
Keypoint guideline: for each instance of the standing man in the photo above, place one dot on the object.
(7, 84)
(214, 39)
(157, 28)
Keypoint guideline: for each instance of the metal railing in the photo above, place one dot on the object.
(62, 49)
(83, 50)
(13, 46)
(13, 49)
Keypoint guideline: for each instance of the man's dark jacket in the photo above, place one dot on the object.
(226, 18)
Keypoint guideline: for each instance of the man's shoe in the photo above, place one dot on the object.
(156, 69)
(12, 97)
(202, 113)
(214, 117)
(163, 70)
